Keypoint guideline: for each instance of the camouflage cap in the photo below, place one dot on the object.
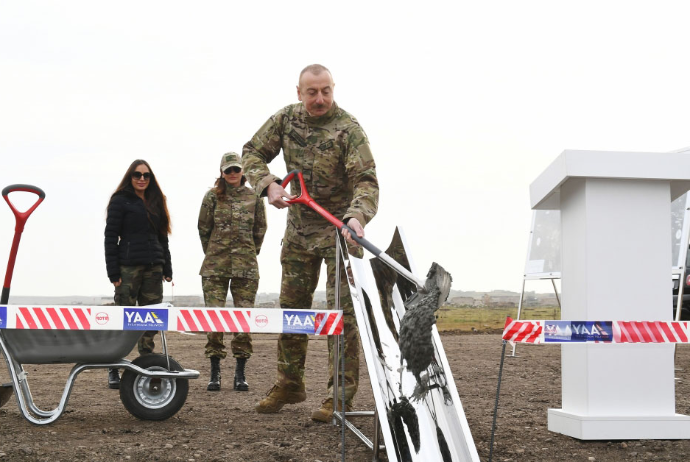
(230, 159)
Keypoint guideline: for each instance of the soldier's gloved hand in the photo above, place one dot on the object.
(276, 193)
(355, 226)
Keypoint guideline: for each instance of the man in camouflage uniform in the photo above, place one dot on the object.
(332, 151)
(232, 225)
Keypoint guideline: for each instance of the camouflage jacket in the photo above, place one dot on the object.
(332, 152)
(232, 230)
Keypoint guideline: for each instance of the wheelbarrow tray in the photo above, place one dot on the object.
(153, 386)
(69, 346)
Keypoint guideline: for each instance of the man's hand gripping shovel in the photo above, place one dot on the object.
(20, 219)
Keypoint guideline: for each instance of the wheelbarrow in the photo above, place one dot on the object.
(153, 387)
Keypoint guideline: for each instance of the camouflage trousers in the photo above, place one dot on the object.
(243, 295)
(301, 268)
(142, 285)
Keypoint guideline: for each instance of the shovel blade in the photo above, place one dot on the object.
(437, 277)
(436, 290)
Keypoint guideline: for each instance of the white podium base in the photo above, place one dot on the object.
(667, 427)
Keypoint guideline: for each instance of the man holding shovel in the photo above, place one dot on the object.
(332, 151)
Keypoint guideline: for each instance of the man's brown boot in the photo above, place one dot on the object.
(277, 397)
(325, 413)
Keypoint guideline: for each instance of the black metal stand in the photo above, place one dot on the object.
(498, 392)
(339, 358)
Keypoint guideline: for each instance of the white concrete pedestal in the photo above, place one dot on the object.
(616, 230)
(585, 427)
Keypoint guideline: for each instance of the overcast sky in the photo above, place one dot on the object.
(464, 103)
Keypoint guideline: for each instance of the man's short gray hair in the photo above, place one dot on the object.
(315, 69)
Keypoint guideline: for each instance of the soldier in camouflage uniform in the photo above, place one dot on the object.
(232, 224)
(330, 148)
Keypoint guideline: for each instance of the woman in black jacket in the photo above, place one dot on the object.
(136, 246)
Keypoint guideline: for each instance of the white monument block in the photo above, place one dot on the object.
(615, 209)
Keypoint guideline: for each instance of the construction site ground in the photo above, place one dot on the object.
(224, 426)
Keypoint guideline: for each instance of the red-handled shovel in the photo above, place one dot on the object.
(305, 198)
(20, 217)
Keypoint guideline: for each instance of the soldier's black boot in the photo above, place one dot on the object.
(240, 383)
(113, 379)
(214, 383)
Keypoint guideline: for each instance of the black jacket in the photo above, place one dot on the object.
(131, 239)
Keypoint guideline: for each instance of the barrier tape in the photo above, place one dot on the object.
(538, 332)
(167, 317)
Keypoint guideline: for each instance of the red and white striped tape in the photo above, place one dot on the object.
(68, 318)
(543, 331)
(213, 320)
(167, 317)
(328, 323)
(650, 332)
(523, 331)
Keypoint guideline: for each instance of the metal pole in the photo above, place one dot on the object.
(522, 296)
(165, 348)
(679, 307)
(498, 392)
(341, 349)
(336, 345)
(377, 435)
(684, 261)
(343, 412)
(336, 361)
(681, 287)
(555, 291)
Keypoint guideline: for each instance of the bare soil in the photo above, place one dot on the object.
(224, 426)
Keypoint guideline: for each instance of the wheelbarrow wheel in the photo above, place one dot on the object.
(150, 398)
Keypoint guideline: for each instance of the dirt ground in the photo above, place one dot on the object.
(224, 426)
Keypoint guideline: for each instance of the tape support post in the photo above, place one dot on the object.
(168, 318)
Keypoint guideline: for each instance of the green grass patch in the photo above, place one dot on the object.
(488, 319)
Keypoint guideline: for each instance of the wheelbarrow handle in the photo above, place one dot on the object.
(305, 198)
(20, 218)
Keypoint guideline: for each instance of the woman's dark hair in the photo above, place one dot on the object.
(156, 205)
(221, 185)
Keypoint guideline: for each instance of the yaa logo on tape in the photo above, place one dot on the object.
(298, 322)
(578, 331)
(143, 319)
